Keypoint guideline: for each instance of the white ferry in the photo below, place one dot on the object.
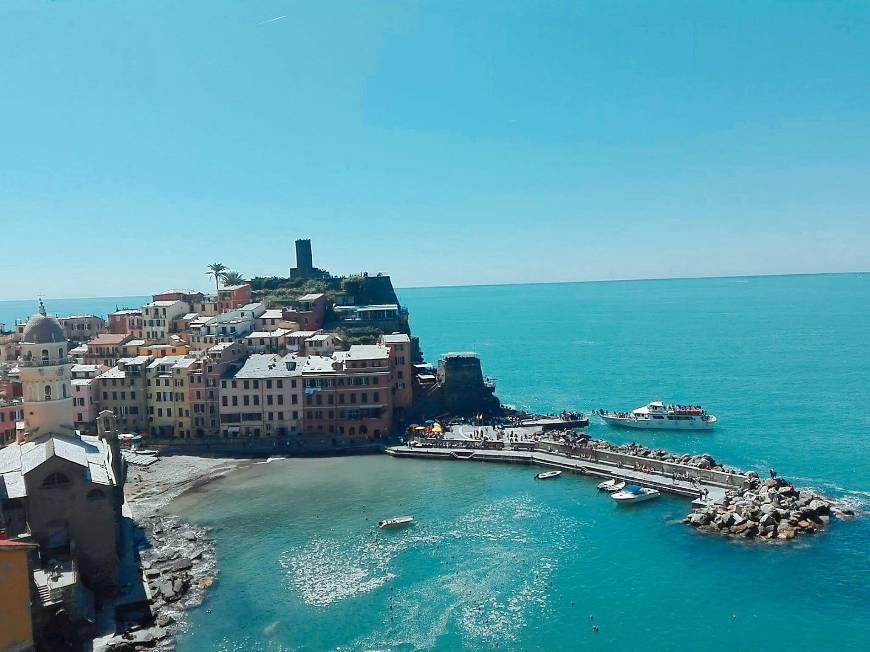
(661, 416)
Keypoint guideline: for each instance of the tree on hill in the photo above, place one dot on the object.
(232, 278)
(217, 270)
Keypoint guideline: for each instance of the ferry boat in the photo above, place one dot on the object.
(398, 521)
(661, 416)
(634, 494)
(546, 475)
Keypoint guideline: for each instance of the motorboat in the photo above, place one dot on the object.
(634, 494)
(546, 475)
(661, 416)
(611, 486)
(395, 522)
(604, 486)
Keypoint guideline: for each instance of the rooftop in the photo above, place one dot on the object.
(396, 338)
(231, 288)
(127, 311)
(272, 314)
(312, 296)
(163, 303)
(108, 339)
(319, 364)
(366, 352)
(270, 366)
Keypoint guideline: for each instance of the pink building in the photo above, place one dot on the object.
(11, 412)
(349, 393)
(399, 345)
(309, 313)
(126, 322)
(84, 393)
(263, 398)
(233, 296)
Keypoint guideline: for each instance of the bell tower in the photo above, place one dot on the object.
(45, 377)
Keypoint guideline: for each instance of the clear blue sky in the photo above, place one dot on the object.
(442, 142)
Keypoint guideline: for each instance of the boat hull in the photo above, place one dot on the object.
(634, 498)
(658, 424)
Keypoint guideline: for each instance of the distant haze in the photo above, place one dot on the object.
(444, 143)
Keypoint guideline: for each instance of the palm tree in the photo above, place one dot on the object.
(232, 278)
(217, 270)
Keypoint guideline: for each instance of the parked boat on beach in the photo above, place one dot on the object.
(661, 416)
(634, 494)
(546, 475)
(395, 522)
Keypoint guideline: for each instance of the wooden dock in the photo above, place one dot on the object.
(572, 464)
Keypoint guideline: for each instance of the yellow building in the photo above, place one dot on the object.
(162, 350)
(16, 626)
(169, 400)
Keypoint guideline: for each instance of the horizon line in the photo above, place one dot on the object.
(477, 285)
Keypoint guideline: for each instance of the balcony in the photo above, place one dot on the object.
(42, 362)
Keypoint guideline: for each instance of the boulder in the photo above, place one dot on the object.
(819, 506)
(182, 564)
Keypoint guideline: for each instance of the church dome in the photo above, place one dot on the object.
(42, 329)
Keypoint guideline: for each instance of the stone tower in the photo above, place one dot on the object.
(304, 259)
(45, 377)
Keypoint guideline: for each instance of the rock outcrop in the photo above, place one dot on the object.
(768, 510)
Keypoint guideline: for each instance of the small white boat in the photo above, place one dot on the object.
(398, 521)
(614, 484)
(634, 494)
(619, 485)
(545, 475)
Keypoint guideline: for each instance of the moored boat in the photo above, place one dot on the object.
(546, 475)
(614, 484)
(634, 494)
(397, 521)
(661, 416)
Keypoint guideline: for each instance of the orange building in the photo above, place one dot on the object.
(16, 624)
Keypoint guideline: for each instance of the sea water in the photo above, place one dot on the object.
(497, 560)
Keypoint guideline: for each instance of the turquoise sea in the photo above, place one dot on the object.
(499, 561)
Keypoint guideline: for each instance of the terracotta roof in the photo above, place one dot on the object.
(108, 339)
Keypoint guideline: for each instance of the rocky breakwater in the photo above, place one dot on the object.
(768, 510)
(179, 564)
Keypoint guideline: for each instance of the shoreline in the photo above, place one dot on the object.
(177, 557)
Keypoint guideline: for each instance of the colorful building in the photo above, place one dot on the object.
(233, 296)
(349, 393)
(158, 316)
(126, 322)
(168, 396)
(106, 348)
(81, 328)
(16, 623)
(122, 390)
(399, 345)
(263, 398)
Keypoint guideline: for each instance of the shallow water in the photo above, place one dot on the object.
(499, 561)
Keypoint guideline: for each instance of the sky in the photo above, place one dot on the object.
(444, 143)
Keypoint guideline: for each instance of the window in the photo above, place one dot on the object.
(96, 494)
(55, 480)
(47, 392)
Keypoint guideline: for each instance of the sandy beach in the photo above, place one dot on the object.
(150, 489)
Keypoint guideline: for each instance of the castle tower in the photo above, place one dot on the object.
(45, 377)
(304, 259)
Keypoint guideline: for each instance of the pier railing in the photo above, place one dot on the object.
(624, 460)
